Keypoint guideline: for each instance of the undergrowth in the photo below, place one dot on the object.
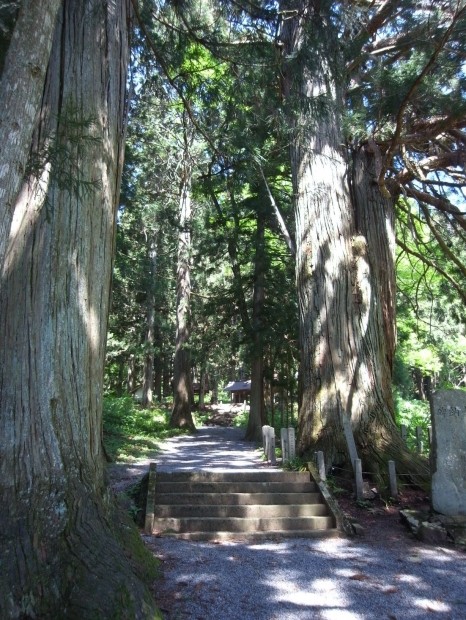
(131, 432)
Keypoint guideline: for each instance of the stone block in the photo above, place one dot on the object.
(448, 456)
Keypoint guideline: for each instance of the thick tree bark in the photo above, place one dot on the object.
(344, 262)
(181, 416)
(21, 87)
(57, 524)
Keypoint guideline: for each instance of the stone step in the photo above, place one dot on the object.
(234, 487)
(252, 475)
(237, 499)
(244, 512)
(254, 536)
(205, 505)
(239, 525)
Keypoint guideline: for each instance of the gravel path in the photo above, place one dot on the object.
(301, 579)
(385, 577)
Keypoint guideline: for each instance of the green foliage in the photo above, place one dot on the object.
(412, 413)
(241, 420)
(431, 319)
(296, 464)
(67, 151)
(333, 485)
(130, 432)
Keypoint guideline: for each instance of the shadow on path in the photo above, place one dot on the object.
(212, 447)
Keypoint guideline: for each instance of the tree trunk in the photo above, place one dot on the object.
(158, 374)
(214, 397)
(181, 416)
(148, 384)
(256, 417)
(57, 521)
(344, 264)
(167, 386)
(203, 380)
(131, 374)
(21, 87)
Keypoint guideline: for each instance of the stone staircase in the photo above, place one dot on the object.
(209, 505)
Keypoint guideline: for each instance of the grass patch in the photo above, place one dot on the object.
(241, 420)
(131, 433)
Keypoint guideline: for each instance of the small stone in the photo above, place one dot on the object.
(432, 533)
(411, 519)
(358, 529)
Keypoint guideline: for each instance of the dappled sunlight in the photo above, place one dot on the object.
(430, 605)
(90, 317)
(26, 214)
(299, 579)
(219, 449)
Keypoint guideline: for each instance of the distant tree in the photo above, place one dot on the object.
(183, 390)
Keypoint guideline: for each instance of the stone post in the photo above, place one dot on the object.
(268, 438)
(392, 476)
(321, 465)
(419, 441)
(358, 477)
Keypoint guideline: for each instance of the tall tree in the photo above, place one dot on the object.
(60, 537)
(345, 254)
(181, 414)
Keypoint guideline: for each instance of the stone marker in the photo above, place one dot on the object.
(321, 465)
(268, 436)
(288, 441)
(448, 454)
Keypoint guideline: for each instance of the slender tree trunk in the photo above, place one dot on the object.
(131, 374)
(257, 408)
(203, 381)
(181, 415)
(344, 262)
(57, 526)
(120, 377)
(148, 384)
(167, 387)
(214, 398)
(158, 374)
